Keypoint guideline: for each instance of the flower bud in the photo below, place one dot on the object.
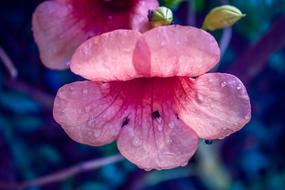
(222, 17)
(160, 16)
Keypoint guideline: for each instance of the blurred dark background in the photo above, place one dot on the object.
(33, 145)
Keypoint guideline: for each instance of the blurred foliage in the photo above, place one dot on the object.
(32, 144)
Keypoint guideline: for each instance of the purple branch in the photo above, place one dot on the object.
(8, 63)
(255, 58)
(63, 174)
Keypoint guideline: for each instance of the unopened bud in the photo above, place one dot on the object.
(160, 16)
(222, 17)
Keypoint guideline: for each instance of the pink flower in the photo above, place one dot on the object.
(150, 92)
(60, 26)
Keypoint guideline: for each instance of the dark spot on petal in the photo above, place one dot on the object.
(177, 116)
(125, 121)
(155, 114)
(149, 15)
(208, 141)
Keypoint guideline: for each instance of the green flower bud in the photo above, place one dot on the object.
(160, 16)
(222, 17)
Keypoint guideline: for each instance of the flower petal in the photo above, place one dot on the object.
(215, 105)
(153, 137)
(60, 26)
(57, 33)
(89, 112)
(107, 57)
(181, 51)
(151, 54)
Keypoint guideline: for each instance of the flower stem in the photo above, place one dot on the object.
(63, 174)
(8, 63)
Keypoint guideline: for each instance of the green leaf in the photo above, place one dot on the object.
(18, 102)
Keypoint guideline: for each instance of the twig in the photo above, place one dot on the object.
(254, 58)
(225, 40)
(63, 174)
(8, 63)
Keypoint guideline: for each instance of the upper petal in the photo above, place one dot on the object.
(181, 51)
(214, 105)
(88, 113)
(161, 52)
(107, 57)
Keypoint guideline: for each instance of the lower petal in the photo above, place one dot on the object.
(88, 113)
(154, 137)
(214, 105)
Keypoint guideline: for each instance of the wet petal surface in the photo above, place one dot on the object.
(60, 26)
(88, 113)
(181, 51)
(151, 134)
(214, 105)
(107, 57)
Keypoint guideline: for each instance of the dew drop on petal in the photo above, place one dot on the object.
(162, 44)
(159, 127)
(239, 87)
(208, 141)
(105, 85)
(136, 141)
(223, 84)
(171, 125)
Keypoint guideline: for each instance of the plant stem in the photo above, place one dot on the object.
(63, 174)
(8, 63)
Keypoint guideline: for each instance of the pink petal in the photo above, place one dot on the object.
(107, 57)
(60, 26)
(88, 113)
(214, 105)
(57, 33)
(161, 52)
(157, 144)
(154, 138)
(181, 51)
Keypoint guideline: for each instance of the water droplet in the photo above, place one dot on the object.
(136, 141)
(239, 87)
(223, 84)
(184, 164)
(247, 117)
(85, 91)
(171, 125)
(105, 85)
(200, 97)
(91, 122)
(159, 127)
(71, 88)
(162, 44)
(110, 17)
(208, 141)
(168, 140)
